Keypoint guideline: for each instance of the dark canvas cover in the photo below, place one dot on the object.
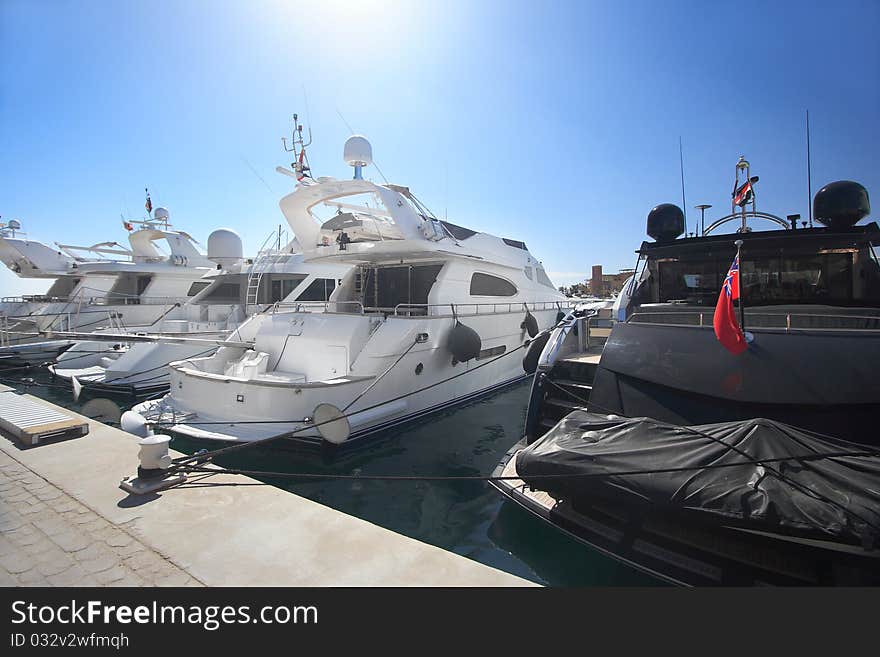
(731, 472)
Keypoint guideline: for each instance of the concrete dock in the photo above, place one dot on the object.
(65, 522)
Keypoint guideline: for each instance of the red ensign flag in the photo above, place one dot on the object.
(727, 329)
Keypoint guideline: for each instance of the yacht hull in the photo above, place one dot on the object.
(822, 381)
(685, 552)
(396, 387)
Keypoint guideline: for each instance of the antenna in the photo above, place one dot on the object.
(809, 174)
(254, 171)
(702, 207)
(301, 162)
(681, 165)
(308, 113)
(347, 125)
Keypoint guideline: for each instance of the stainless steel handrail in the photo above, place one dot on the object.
(787, 316)
(511, 307)
(406, 309)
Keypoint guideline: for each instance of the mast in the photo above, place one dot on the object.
(809, 174)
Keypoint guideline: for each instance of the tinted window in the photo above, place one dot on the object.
(491, 286)
(543, 279)
(815, 278)
(197, 287)
(820, 278)
(387, 287)
(224, 291)
(278, 287)
(318, 290)
(458, 232)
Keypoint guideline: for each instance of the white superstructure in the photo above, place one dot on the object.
(104, 286)
(227, 298)
(427, 306)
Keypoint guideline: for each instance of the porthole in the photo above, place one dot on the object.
(419, 368)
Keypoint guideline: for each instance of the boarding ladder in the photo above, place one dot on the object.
(269, 254)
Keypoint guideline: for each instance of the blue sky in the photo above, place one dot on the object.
(556, 123)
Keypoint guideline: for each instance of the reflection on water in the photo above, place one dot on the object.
(467, 517)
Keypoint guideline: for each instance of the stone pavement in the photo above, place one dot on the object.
(64, 521)
(47, 538)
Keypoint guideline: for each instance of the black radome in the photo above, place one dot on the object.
(665, 222)
(841, 204)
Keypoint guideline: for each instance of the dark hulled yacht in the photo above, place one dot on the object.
(655, 444)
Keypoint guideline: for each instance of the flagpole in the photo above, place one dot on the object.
(742, 300)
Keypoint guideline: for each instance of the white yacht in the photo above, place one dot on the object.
(239, 288)
(431, 314)
(104, 286)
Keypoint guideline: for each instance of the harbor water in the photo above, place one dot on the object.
(469, 518)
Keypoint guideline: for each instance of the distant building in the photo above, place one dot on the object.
(599, 284)
(604, 285)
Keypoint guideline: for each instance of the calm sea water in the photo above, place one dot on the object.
(466, 517)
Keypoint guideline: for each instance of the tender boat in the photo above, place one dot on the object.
(658, 446)
(431, 314)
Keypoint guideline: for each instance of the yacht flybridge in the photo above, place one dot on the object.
(430, 314)
(98, 287)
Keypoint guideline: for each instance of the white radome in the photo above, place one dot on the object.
(224, 247)
(357, 151)
(161, 213)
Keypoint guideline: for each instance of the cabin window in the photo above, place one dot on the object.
(485, 285)
(458, 232)
(62, 287)
(407, 286)
(695, 282)
(543, 279)
(196, 287)
(820, 278)
(127, 288)
(319, 289)
(274, 288)
(528, 272)
(224, 293)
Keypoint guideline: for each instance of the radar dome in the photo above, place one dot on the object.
(357, 151)
(161, 213)
(14, 224)
(224, 247)
(665, 222)
(841, 204)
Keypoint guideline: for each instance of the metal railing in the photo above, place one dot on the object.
(560, 336)
(415, 309)
(787, 321)
(30, 298)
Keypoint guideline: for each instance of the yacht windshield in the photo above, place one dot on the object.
(813, 278)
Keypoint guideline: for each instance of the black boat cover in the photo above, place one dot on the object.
(756, 473)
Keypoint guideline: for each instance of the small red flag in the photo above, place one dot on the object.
(127, 225)
(743, 195)
(149, 204)
(727, 329)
